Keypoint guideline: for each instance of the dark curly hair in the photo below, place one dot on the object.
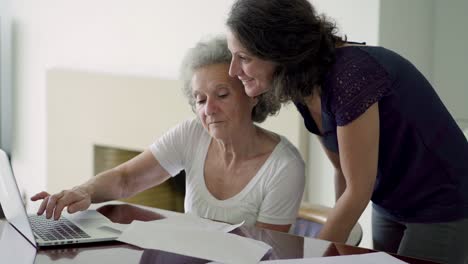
(290, 33)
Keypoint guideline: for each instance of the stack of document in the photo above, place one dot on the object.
(192, 236)
(205, 239)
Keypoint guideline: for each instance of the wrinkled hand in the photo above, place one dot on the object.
(76, 199)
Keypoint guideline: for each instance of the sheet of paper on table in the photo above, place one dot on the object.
(186, 220)
(202, 240)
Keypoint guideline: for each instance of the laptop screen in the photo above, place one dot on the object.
(10, 199)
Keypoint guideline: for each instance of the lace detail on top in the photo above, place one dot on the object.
(355, 82)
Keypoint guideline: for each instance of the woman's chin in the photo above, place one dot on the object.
(217, 133)
(253, 91)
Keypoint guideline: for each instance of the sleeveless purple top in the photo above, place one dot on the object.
(423, 155)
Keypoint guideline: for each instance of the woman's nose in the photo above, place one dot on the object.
(234, 68)
(210, 107)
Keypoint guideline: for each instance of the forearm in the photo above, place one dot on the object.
(135, 175)
(358, 143)
(106, 186)
(127, 179)
(344, 216)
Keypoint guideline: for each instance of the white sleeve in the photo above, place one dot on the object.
(172, 149)
(284, 194)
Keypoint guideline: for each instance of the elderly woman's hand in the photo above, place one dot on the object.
(76, 199)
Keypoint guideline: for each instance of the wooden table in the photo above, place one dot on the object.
(16, 249)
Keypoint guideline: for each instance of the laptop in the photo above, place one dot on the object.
(82, 227)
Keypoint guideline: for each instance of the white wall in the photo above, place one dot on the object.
(451, 55)
(431, 34)
(6, 91)
(122, 37)
(407, 27)
(86, 109)
(358, 19)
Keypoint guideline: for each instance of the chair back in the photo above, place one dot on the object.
(312, 217)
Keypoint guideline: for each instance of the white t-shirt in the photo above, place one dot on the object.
(272, 196)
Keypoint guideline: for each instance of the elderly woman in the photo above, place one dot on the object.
(235, 170)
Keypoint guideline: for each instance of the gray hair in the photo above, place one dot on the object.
(215, 51)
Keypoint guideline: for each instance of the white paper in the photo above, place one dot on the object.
(184, 220)
(192, 221)
(314, 247)
(212, 245)
(369, 258)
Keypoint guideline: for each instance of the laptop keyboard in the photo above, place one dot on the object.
(49, 229)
